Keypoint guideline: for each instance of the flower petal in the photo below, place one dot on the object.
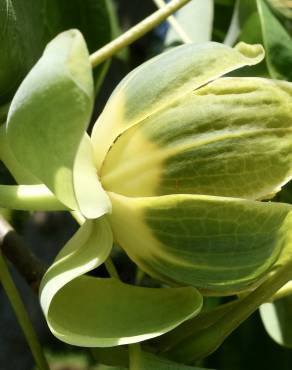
(94, 312)
(219, 244)
(50, 112)
(92, 200)
(162, 81)
(232, 137)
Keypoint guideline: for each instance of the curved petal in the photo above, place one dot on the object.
(48, 117)
(222, 245)
(232, 138)
(93, 312)
(92, 200)
(163, 80)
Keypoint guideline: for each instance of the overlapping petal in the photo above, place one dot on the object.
(160, 82)
(232, 137)
(221, 245)
(88, 311)
(47, 121)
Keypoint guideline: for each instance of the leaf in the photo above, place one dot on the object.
(196, 20)
(105, 367)
(148, 361)
(231, 138)
(145, 91)
(47, 120)
(32, 24)
(277, 43)
(106, 312)
(95, 19)
(282, 7)
(277, 319)
(221, 245)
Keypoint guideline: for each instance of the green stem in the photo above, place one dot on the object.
(111, 269)
(29, 198)
(174, 24)
(207, 341)
(3, 112)
(22, 316)
(134, 355)
(136, 32)
(285, 291)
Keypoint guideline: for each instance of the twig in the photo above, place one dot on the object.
(14, 249)
(135, 32)
(175, 24)
(22, 316)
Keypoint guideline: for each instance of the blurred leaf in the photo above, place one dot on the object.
(26, 26)
(283, 7)
(223, 11)
(277, 319)
(106, 367)
(196, 20)
(277, 42)
(113, 356)
(147, 361)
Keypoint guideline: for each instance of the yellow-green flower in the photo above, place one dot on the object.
(173, 172)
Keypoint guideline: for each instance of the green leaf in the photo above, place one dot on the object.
(106, 312)
(231, 137)
(214, 243)
(148, 361)
(47, 120)
(105, 367)
(277, 42)
(277, 319)
(243, 12)
(196, 20)
(282, 7)
(145, 91)
(27, 26)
